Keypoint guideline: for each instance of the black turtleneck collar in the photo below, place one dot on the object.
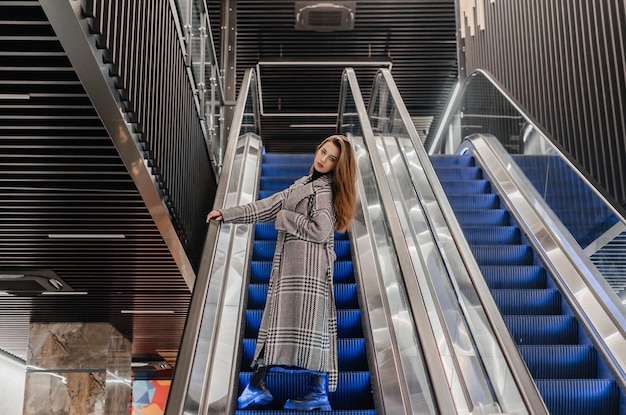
(316, 174)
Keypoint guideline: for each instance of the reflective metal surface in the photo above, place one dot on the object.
(411, 373)
(210, 342)
(474, 342)
(586, 252)
(576, 276)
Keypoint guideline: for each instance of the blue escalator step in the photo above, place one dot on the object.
(288, 158)
(260, 272)
(345, 295)
(444, 160)
(352, 386)
(290, 412)
(349, 323)
(353, 390)
(264, 250)
(560, 361)
(475, 201)
(456, 173)
(286, 170)
(466, 186)
(263, 194)
(343, 271)
(351, 354)
(265, 231)
(580, 396)
(275, 183)
(537, 302)
(514, 276)
(503, 254)
(342, 249)
(476, 217)
(257, 294)
(483, 235)
(547, 329)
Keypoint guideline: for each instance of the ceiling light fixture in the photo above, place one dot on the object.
(325, 16)
(86, 236)
(147, 311)
(312, 125)
(14, 97)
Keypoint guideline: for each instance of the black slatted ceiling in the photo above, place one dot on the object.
(417, 36)
(61, 174)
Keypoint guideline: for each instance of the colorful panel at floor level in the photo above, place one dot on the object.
(150, 396)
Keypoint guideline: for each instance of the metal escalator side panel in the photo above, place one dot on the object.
(565, 259)
(496, 352)
(191, 380)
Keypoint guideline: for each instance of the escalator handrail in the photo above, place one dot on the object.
(426, 337)
(189, 342)
(437, 144)
(574, 273)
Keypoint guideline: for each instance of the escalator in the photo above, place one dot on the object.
(381, 365)
(420, 329)
(585, 216)
(527, 225)
(353, 394)
(570, 376)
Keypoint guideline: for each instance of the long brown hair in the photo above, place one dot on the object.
(344, 188)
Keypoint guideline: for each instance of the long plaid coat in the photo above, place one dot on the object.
(299, 325)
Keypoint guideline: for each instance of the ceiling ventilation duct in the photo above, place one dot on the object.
(325, 16)
(32, 283)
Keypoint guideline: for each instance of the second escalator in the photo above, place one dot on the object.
(567, 369)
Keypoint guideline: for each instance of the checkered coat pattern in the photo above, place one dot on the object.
(299, 325)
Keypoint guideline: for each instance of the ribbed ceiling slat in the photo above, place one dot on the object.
(417, 36)
(61, 175)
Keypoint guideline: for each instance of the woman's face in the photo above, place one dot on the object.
(326, 157)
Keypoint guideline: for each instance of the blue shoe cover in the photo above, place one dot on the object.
(251, 396)
(311, 402)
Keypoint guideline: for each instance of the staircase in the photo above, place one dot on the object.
(353, 395)
(567, 370)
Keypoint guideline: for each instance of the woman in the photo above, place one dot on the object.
(299, 325)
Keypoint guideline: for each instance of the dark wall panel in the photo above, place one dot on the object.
(565, 62)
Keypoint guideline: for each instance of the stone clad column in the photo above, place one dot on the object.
(77, 369)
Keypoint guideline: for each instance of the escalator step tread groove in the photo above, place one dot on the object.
(515, 276)
(353, 388)
(351, 354)
(562, 362)
(264, 249)
(564, 367)
(343, 272)
(345, 295)
(580, 396)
